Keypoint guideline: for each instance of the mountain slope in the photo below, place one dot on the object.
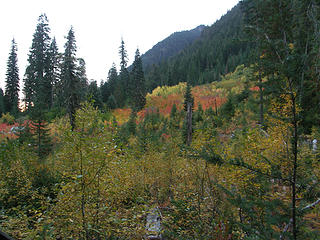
(219, 50)
(170, 46)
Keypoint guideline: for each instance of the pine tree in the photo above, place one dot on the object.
(71, 82)
(287, 39)
(53, 74)
(83, 80)
(12, 81)
(188, 98)
(137, 84)
(108, 88)
(94, 94)
(188, 107)
(36, 81)
(2, 109)
(41, 139)
(122, 86)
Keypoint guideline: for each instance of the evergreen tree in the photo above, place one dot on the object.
(188, 98)
(169, 78)
(82, 76)
(54, 73)
(108, 88)
(154, 78)
(121, 91)
(188, 107)
(138, 89)
(41, 139)
(71, 81)
(2, 109)
(287, 39)
(112, 102)
(94, 94)
(12, 81)
(36, 81)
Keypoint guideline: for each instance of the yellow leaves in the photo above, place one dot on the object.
(291, 46)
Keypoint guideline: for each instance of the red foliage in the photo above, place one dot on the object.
(165, 136)
(256, 89)
(5, 129)
(202, 94)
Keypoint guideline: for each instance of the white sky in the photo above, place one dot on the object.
(99, 26)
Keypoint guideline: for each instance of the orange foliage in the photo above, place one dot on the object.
(5, 131)
(122, 115)
(204, 95)
(256, 89)
(164, 104)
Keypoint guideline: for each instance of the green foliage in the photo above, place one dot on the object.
(2, 106)
(137, 84)
(97, 179)
(7, 118)
(12, 81)
(37, 85)
(170, 46)
(71, 82)
(228, 109)
(41, 140)
(131, 124)
(94, 94)
(188, 98)
(218, 51)
(112, 102)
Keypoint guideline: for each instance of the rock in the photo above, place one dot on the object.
(153, 225)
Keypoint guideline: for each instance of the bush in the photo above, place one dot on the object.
(7, 118)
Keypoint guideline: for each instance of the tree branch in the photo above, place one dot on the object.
(312, 205)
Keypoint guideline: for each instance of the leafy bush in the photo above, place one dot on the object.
(7, 118)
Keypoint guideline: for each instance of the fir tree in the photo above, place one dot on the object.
(108, 88)
(112, 102)
(138, 89)
(71, 82)
(36, 81)
(53, 74)
(288, 38)
(2, 109)
(12, 81)
(188, 98)
(40, 131)
(94, 94)
(122, 86)
(83, 80)
(188, 107)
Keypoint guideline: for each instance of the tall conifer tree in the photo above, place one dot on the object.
(122, 86)
(36, 82)
(137, 84)
(53, 74)
(12, 81)
(82, 76)
(71, 81)
(188, 107)
(2, 109)
(287, 38)
(107, 88)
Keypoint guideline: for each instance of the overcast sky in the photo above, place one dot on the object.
(99, 26)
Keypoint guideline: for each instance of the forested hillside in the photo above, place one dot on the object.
(220, 48)
(170, 46)
(201, 157)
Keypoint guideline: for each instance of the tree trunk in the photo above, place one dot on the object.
(261, 99)
(189, 123)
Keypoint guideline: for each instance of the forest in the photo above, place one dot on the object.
(221, 139)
